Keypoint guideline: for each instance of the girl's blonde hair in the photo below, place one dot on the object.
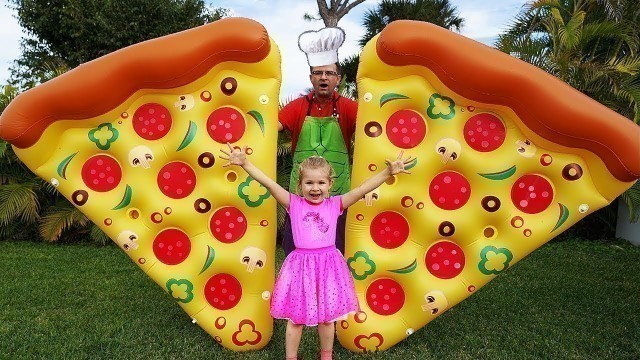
(314, 162)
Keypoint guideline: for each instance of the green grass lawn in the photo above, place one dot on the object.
(569, 299)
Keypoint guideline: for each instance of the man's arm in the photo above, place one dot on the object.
(287, 116)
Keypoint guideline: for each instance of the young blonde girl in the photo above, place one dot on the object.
(314, 287)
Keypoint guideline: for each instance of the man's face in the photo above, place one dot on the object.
(323, 83)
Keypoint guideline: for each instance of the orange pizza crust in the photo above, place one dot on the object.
(545, 104)
(98, 86)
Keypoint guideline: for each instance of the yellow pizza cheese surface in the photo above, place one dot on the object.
(137, 152)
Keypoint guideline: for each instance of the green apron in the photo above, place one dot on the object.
(322, 136)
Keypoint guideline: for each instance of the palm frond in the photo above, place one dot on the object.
(12, 170)
(284, 172)
(631, 197)
(7, 94)
(18, 201)
(627, 65)
(439, 12)
(613, 8)
(59, 218)
(607, 39)
(52, 69)
(10, 173)
(526, 22)
(282, 213)
(4, 146)
(284, 148)
(533, 50)
(543, 4)
(98, 236)
(284, 101)
(573, 29)
(348, 89)
(10, 230)
(608, 216)
(17, 231)
(374, 22)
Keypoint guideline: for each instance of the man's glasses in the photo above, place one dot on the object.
(326, 72)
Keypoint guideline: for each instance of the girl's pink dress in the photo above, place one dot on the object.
(314, 285)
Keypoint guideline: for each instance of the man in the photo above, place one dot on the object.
(322, 122)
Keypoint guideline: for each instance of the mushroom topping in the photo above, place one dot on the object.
(526, 148)
(127, 240)
(449, 149)
(253, 258)
(371, 196)
(140, 156)
(185, 102)
(436, 302)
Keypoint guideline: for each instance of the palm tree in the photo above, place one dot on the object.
(590, 44)
(583, 44)
(439, 12)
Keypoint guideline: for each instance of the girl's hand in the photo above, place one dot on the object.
(234, 156)
(399, 164)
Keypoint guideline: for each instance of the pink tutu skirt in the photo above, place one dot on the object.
(314, 286)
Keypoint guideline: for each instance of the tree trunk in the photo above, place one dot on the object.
(334, 11)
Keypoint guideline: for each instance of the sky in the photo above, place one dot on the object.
(283, 19)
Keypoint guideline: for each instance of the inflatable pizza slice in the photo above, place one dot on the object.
(132, 140)
(507, 158)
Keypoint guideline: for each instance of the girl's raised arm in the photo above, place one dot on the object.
(239, 157)
(376, 180)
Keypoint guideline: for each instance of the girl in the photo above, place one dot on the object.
(314, 286)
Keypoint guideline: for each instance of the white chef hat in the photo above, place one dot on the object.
(321, 46)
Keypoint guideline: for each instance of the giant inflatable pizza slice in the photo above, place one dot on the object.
(507, 158)
(132, 139)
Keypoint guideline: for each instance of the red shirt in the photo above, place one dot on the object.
(292, 115)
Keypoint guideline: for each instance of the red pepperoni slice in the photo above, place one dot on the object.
(101, 173)
(484, 132)
(406, 129)
(226, 125)
(151, 121)
(532, 193)
(176, 180)
(223, 291)
(444, 260)
(389, 229)
(449, 190)
(171, 246)
(228, 224)
(385, 296)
